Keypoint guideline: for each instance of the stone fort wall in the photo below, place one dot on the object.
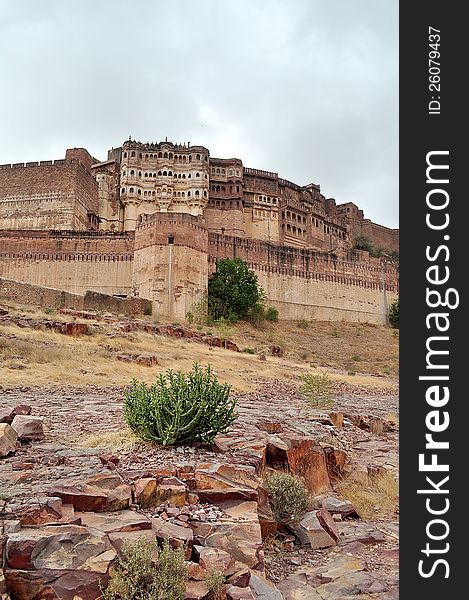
(60, 194)
(71, 261)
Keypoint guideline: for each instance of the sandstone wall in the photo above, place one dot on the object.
(45, 297)
(170, 262)
(68, 260)
(48, 195)
(380, 236)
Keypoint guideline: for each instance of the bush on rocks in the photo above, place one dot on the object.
(180, 408)
(146, 572)
(288, 496)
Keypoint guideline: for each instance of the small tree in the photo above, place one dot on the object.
(394, 314)
(233, 288)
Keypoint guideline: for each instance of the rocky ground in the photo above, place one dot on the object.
(66, 508)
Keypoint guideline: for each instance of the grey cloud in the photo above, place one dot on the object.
(305, 88)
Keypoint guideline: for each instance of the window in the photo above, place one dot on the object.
(123, 190)
(139, 192)
(140, 155)
(165, 155)
(170, 155)
(132, 173)
(189, 176)
(198, 156)
(190, 157)
(188, 194)
(205, 193)
(165, 173)
(131, 190)
(133, 154)
(125, 154)
(170, 239)
(160, 155)
(197, 174)
(197, 193)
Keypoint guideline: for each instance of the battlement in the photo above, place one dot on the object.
(260, 173)
(42, 163)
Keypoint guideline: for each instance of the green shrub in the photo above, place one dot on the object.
(189, 317)
(232, 317)
(215, 582)
(288, 496)
(271, 314)
(180, 408)
(303, 324)
(317, 388)
(233, 288)
(356, 358)
(394, 314)
(249, 350)
(256, 315)
(146, 572)
(148, 310)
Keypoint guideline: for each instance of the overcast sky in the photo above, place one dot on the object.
(306, 88)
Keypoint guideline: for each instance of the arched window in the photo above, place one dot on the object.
(159, 172)
(160, 155)
(183, 159)
(158, 190)
(218, 203)
(123, 172)
(123, 190)
(179, 176)
(146, 175)
(190, 157)
(165, 155)
(288, 227)
(237, 188)
(218, 188)
(205, 157)
(198, 156)
(197, 174)
(165, 173)
(153, 193)
(223, 204)
(125, 154)
(132, 173)
(223, 171)
(188, 194)
(139, 173)
(183, 176)
(218, 170)
(189, 176)
(197, 193)
(146, 155)
(131, 190)
(140, 155)
(144, 193)
(205, 193)
(182, 194)
(175, 176)
(222, 188)
(170, 155)
(133, 154)
(139, 192)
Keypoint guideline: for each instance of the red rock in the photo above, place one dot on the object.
(337, 419)
(150, 492)
(28, 428)
(304, 457)
(8, 437)
(22, 409)
(179, 537)
(7, 415)
(310, 531)
(335, 460)
(195, 590)
(267, 520)
(196, 571)
(219, 482)
(239, 593)
(240, 579)
(124, 520)
(104, 492)
(328, 523)
(215, 559)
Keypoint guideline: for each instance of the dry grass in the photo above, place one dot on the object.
(123, 439)
(33, 357)
(377, 500)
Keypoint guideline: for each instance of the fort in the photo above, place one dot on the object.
(151, 221)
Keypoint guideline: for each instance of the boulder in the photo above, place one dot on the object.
(215, 559)
(263, 589)
(337, 506)
(8, 437)
(103, 492)
(124, 520)
(303, 457)
(195, 590)
(242, 540)
(7, 415)
(28, 428)
(218, 482)
(237, 593)
(178, 536)
(311, 532)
